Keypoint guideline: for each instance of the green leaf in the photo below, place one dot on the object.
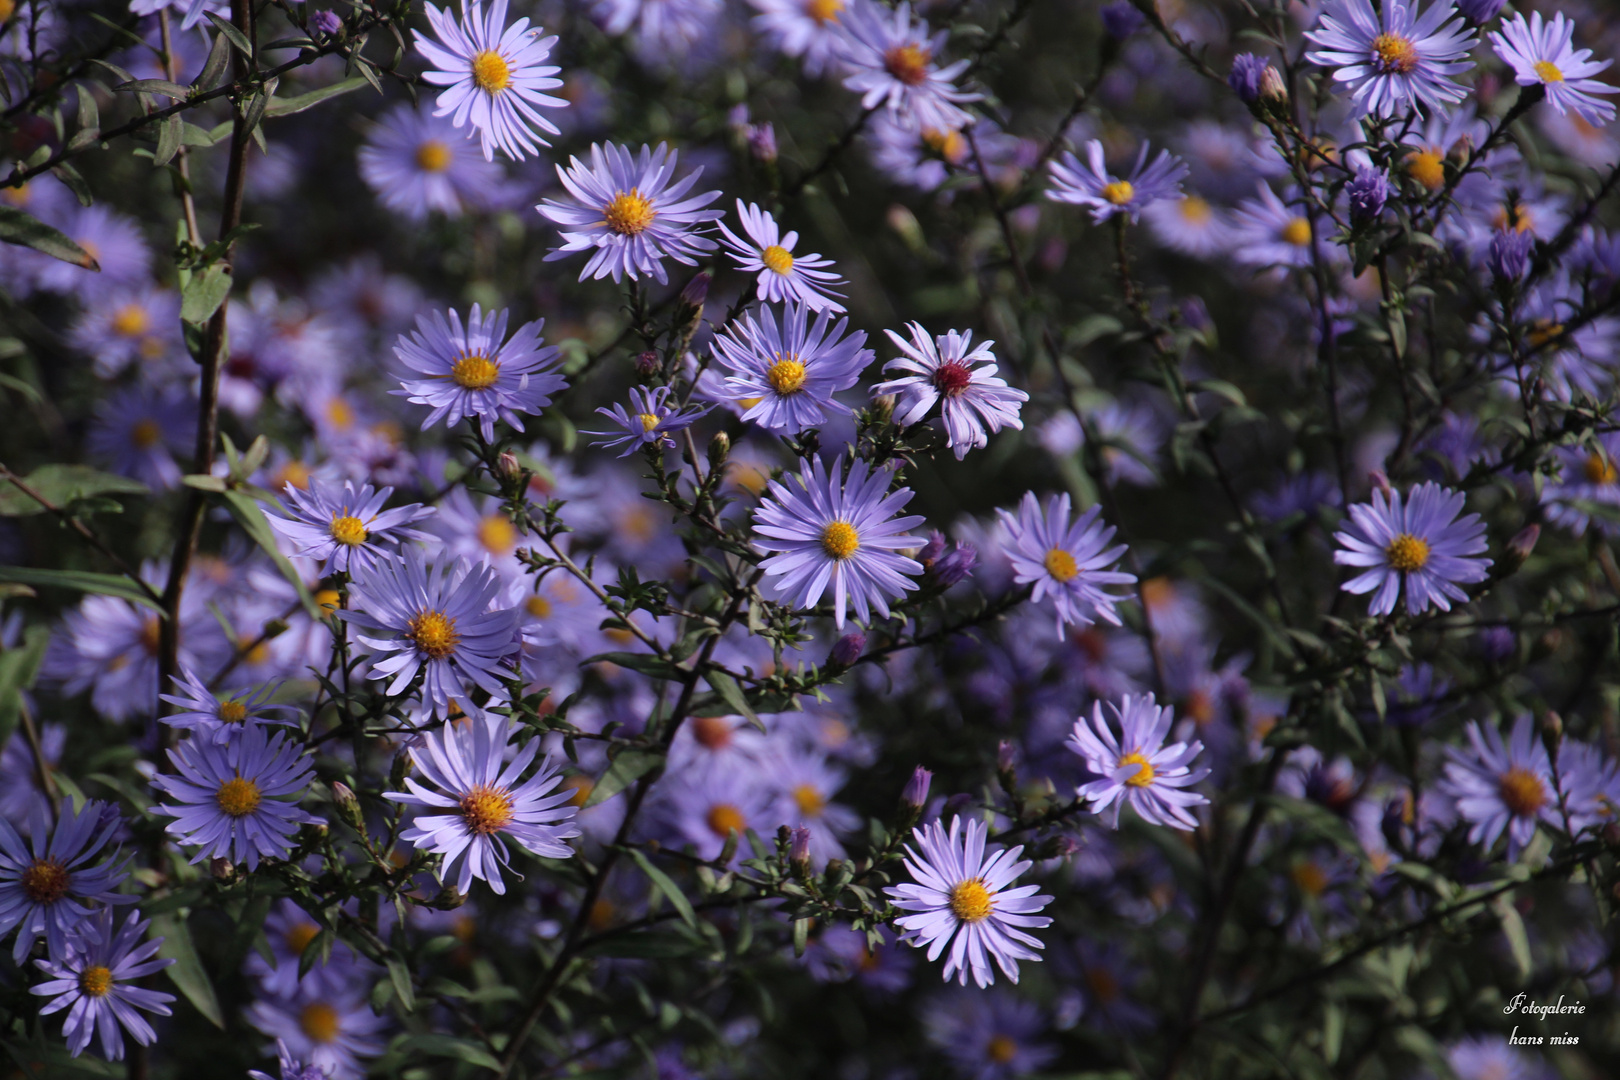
(400, 976)
(449, 1046)
(19, 668)
(666, 886)
(1513, 930)
(226, 27)
(187, 972)
(625, 770)
(80, 581)
(89, 115)
(291, 105)
(25, 230)
(214, 66)
(155, 86)
(203, 294)
(168, 143)
(251, 517)
(645, 663)
(732, 694)
(62, 485)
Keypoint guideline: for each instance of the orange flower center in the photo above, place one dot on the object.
(46, 881)
(724, 819)
(1407, 553)
(777, 258)
(839, 539)
(96, 981)
(486, 810)
(1522, 791)
(628, 214)
(491, 72)
(433, 156)
(238, 797)
(434, 633)
(908, 63)
(1061, 565)
(319, 1022)
(1396, 55)
(970, 901)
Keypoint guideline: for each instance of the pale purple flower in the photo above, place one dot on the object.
(1367, 192)
(48, 883)
(665, 30)
(1419, 544)
(828, 530)
(809, 29)
(139, 430)
(1065, 560)
(960, 894)
(1245, 77)
(494, 75)
(989, 1036)
(417, 162)
(344, 529)
(947, 371)
(291, 1067)
(786, 375)
(1544, 54)
(140, 326)
(236, 800)
(1136, 768)
(784, 277)
(628, 214)
(651, 420)
(1502, 786)
(891, 61)
(477, 800)
(1401, 63)
(476, 372)
(221, 719)
(1092, 186)
(94, 975)
(325, 1022)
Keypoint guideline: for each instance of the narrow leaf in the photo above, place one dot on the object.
(251, 517)
(62, 485)
(626, 769)
(733, 695)
(16, 227)
(168, 143)
(203, 294)
(214, 66)
(155, 86)
(80, 581)
(226, 27)
(666, 886)
(187, 972)
(400, 976)
(289, 106)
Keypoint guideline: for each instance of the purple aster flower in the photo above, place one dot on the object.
(48, 883)
(1121, 19)
(784, 278)
(478, 801)
(1509, 254)
(651, 420)
(1107, 974)
(804, 28)
(121, 328)
(1271, 232)
(804, 783)
(139, 430)
(1404, 62)
(21, 790)
(233, 797)
(343, 529)
(94, 975)
(1191, 225)
(837, 531)
(891, 63)
(1480, 12)
(1091, 185)
(1590, 478)
(327, 1023)
(113, 240)
(417, 162)
(1137, 768)
(1544, 54)
(1367, 192)
(291, 1067)
(1590, 785)
(476, 371)
(1420, 544)
(1492, 1057)
(494, 75)
(787, 375)
(628, 214)
(665, 30)
(943, 370)
(994, 1036)
(962, 895)
(945, 563)
(1502, 785)
(435, 620)
(1066, 560)
(222, 718)
(1247, 72)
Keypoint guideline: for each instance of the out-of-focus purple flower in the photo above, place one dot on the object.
(994, 1036)
(1480, 12)
(1367, 193)
(1509, 255)
(327, 22)
(891, 61)
(762, 141)
(1244, 78)
(946, 564)
(1121, 19)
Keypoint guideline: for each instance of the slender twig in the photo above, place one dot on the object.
(78, 526)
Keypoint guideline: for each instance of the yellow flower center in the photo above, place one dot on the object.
(232, 712)
(1196, 211)
(1060, 564)
(433, 155)
(328, 598)
(786, 376)
(1548, 72)
(1407, 553)
(1543, 331)
(908, 63)
(538, 607)
(491, 72)
(1001, 1049)
(810, 801)
(1522, 791)
(824, 11)
(582, 786)
(238, 797)
(1297, 232)
(475, 372)
(777, 258)
(486, 809)
(434, 633)
(46, 881)
(299, 937)
(339, 413)
(319, 1022)
(1396, 54)
(131, 320)
(1600, 470)
(648, 421)
(295, 473)
(151, 635)
(970, 901)
(497, 534)
(724, 819)
(1311, 879)
(628, 214)
(350, 531)
(1144, 770)
(8, 8)
(96, 981)
(947, 144)
(839, 539)
(145, 434)
(1119, 192)
(1428, 168)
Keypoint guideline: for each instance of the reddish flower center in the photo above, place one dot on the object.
(908, 63)
(952, 378)
(46, 881)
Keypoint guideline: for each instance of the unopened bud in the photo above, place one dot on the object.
(1244, 79)
(1552, 731)
(1479, 12)
(1519, 548)
(347, 804)
(762, 142)
(646, 362)
(1509, 255)
(327, 22)
(719, 448)
(1007, 765)
(1460, 151)
(1273, 91)
(1056, 847)
(799, 851)
(955, 566)
(222, 869)
(932, 550)
(697, 290)
(915, 795)
(847, 649)
(883, 407)
(448, 899)
(508, 468)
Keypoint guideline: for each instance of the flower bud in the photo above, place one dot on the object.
(762, 142)
(697, 290)
(508, 468)
(915, 795)
(719, 448)
(448, 899)
(956, 565)
(1552, 731)
(932, 550)
(1479, 12)
(1509, 255)
(847, 649)
(1461, 150)
(328, 22)
(347, 804)
(1380, 482)
(1519, 548)
(1007, 765)
(647, 362)
(883, 407)
(1121, 19)
(1244, 79)
(1060, 846)
(1367, 194)
(222, 869)
(1273, 91)
(799, 851)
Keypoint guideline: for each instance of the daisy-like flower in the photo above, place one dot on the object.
(1137, 768)
(125, 327)
(1502, 785)
(1419, 544)
(435, 620)
(476, 371)
(1065, 560)
(48, 883)
(233, 797)
(477, 801)
(651, 420)
(891, 63)
(418, 162)
(1544, 54)
(343, 529)
(327, 1023)
(291, 1067)
(804, 28)
(786, 375)
(973, 400)
(628, 213)
(1271, 232)
(1191, 226)
(94, 976)
(222, 718)
(1401, 63)
(1091, 185)
(138, 430)
(839, 532)
(962, 895)
(494, 75)
(784, 278)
